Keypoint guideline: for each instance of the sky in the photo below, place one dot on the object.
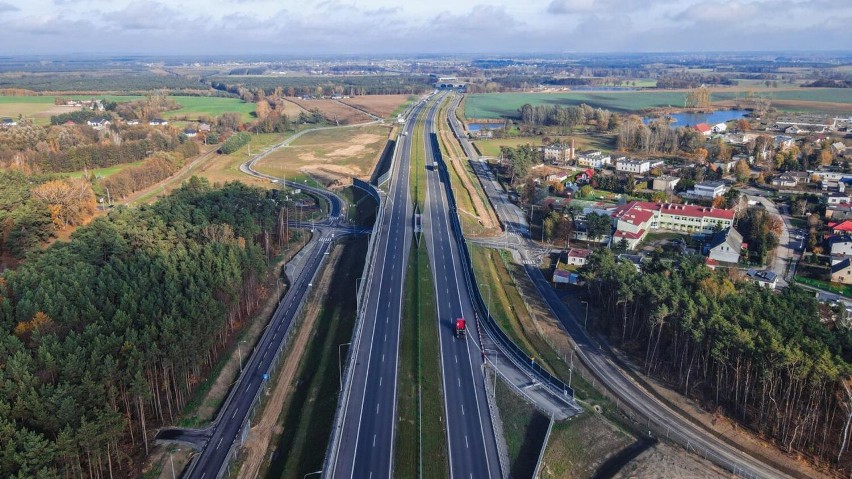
(330, 27)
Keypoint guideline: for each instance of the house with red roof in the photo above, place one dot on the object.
(704, 129)
(577, 256)
(841, 228)
(634, 220)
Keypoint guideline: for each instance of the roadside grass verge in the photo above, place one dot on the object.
(524, 428)
(102, 172)
(308, 415)
(578, 447)
(420, 396)
(504, 281)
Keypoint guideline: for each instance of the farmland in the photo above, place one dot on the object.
(380, 105)
(506, 105)
(329, 154)
(39, 108)
(333, 110)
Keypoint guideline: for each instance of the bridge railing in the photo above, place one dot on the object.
(506, 344)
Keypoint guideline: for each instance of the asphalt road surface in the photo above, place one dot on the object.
(365, 443)
(598, 360)
(255, 375)
(472, 447)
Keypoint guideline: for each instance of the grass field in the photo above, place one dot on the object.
(39, 108)
(506, 105)
(329, 154)
(582, 141)
(195, 106)
(420, 367)
(524, 429)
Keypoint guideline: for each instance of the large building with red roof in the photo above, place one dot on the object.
(634, 220)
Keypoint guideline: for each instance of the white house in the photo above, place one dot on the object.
(577, 256)
(720, 128)
(8, 122)
(841, 272)
(836, 198)
(98, 123)
(763, 278)
(708, 190)
(840, 245)
(634, 166)
(158, 122)
(783, 142)
(593, 159)
(725, 246)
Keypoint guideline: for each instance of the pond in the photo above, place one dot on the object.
(711, 118)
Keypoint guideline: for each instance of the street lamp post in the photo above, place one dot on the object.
(240, 354)
(488, 306)
(586, 322)
(339, 365)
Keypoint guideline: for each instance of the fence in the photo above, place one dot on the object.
(515, 353)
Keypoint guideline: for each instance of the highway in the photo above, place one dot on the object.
(227, 428)
(598, 360)
(364, 444)
(229, 423)
(471, 444)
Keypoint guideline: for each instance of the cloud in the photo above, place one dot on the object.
(142, 15)
(8, 7)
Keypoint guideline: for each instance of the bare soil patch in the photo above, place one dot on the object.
(579, 446)
(333, 110)
(379, 105)
(663, 460)
(332, 156)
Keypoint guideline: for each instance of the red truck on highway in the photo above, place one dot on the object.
(461, 327)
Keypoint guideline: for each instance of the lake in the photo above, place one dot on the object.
(712, 118)
(485, 126)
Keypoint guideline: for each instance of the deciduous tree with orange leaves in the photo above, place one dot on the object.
(70, 201)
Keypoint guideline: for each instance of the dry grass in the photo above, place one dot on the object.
(663, 460)
(329, 155)
(578, 447)
(379, 105)
(292, 110)
(333, 110)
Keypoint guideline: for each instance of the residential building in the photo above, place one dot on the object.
(763, 278)
(561, 276)
(708, 190)
(840, 245)
(98, 123)
(841, 272)
(158, 122)
(841, 228)
(665, 183)
(8, 123)
(584, 176)
(190, 133)
(838, 148)
(725, 166)
(839, 212)
(783, 142)
(704, 129)
(837, 198)
(132, 122)
(720, 128)
(795, 130)
(593, 159)
(635, 166)
(634, 220)
(204, 127)
(633, 259)
(577, 256)
(558, 152)
(725, 246)
(784, 181)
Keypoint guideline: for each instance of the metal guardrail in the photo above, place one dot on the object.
(246, 426)
(513, 351)
(362, 294)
